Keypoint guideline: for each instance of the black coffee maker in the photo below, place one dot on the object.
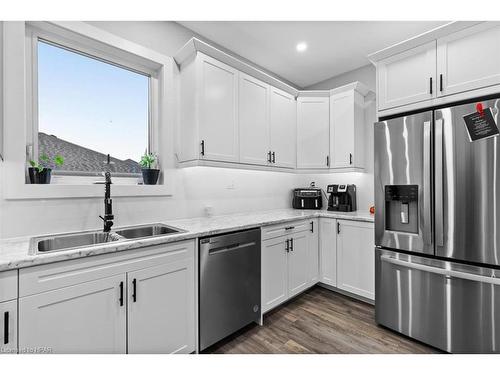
(342, 198)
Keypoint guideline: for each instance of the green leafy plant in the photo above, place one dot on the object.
(44, 162)
(147, 160)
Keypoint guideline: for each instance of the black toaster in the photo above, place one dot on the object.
(308, 198)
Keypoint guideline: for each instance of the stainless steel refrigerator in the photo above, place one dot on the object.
(437, 229)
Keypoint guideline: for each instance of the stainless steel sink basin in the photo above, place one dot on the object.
(145, 231)
(71, 241)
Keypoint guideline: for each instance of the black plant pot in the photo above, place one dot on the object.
(42, 177)
(150, 176)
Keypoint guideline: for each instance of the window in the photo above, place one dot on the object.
(93, 112)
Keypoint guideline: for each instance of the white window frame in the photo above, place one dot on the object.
(20, 70)
(70, 42)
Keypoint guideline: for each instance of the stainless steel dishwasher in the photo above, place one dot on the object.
(229, 277)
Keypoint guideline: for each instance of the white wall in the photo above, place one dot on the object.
(226, 190)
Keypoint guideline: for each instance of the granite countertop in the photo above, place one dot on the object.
(14, 252)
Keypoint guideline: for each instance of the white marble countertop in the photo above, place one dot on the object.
(14, 252)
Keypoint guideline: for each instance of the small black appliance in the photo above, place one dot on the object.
(342, 198)
(307, 198)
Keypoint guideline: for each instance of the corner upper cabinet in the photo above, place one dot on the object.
(347, 126)
(283, 128)
(469, 59)
(313, 130)
(208, 128)
(407, 77)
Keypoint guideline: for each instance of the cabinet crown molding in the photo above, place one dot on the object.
(438, 32)
(360, 87)
(194, 45)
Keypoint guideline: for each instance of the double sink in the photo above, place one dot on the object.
(69, 241)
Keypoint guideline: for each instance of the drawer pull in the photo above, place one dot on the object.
(6, 328)
(289, 228)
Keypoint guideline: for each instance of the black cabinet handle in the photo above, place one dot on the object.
(274, 157)
(338, 227)
(134, 290)
(430, 85)
(6, 328)
(327, 161)
(289, 228)
(350, 158)
(269, 157)
(202, 148)
(312, 226)
(287, 248)
(121, 293)
(441, 82)
(291, 244)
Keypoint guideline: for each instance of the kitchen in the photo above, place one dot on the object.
(278, 208)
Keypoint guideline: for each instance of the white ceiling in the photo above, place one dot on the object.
(334, 47)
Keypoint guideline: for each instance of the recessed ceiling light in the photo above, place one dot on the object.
(301, 47)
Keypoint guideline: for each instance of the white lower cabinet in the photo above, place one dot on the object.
(356, 258)
(274, 270)
(142, 301)
(328, 250)
(289, 264)
(86, 318)
(161, 309)
(298, 259)
(313, 257)
(8, 327)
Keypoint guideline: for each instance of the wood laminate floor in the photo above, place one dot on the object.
(319, 321)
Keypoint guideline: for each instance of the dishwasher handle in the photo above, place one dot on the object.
(227, 248)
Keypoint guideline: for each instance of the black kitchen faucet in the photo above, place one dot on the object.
(108, 203)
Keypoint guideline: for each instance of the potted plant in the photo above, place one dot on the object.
(41, 170)
(149, 175)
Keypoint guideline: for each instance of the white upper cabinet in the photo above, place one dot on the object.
(347, 124)
(283, 128)
(218, 115)
(253, 113)
(407, 77)
(469, 59)
(313, 132)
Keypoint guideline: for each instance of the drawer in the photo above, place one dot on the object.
(8, 285)
(277, 230)
(67, 273)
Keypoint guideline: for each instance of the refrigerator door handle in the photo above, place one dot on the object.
(441, 271)
(427, 227)
(438, 178)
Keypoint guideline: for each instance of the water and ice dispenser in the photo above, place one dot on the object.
(401, 208)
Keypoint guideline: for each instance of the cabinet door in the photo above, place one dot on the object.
(161, 309)
(408, 77)
(85, 318)
(253, 120)
(356, 258)
(218, 119)
(8, 327)
(469, 59)
(283, 128)
(313, 256)
(328, 250)
(313, 132)
(347, 130)
(274, 273)
(298, 263)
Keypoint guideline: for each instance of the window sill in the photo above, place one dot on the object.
(56, 191)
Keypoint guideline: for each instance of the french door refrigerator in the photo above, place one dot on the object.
(437, 229)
